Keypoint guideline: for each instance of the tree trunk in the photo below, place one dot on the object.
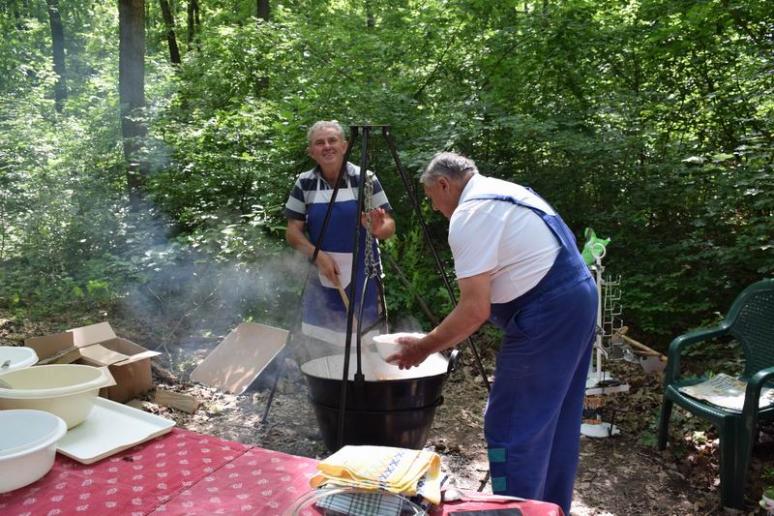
(169, 22)
(131, 90)
(190, 24)
(57, 50)
(370, 19)
(264, 10)
(193, 21)
(19, 16)
(261, 83)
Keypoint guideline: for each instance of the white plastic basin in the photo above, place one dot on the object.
(16, 357)
(27, 446)
(65, 390)
(387, 344)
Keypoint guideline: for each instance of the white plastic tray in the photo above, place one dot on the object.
(110, 428)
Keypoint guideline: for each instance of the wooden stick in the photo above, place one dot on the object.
(643, 347)
(345, 300)
(343, 295)
(639, 345)
(176, 400)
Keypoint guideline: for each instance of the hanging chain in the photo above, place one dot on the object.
(371, 268)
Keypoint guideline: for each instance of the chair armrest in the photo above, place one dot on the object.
(752, 395)
(672, 371)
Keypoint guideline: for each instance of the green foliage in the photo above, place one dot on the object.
(410, 253)
(649, 121)
(767, 476)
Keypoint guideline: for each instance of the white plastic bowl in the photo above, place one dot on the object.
(27, 446)
(17, 357)
(65, 390)
(387, 344)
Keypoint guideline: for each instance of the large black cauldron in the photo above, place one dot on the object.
(390, 408)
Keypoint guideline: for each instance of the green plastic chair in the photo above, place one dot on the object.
(751, 322)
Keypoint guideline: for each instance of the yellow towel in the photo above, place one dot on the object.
(397, 470)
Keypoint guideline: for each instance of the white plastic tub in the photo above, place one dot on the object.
(27, 446)
(65, 390)
(16, 357)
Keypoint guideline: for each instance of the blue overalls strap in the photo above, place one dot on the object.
(542, 214)
(568, 265)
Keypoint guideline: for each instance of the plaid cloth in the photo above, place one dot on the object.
(363, 504)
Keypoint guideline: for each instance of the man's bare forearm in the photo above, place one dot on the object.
(298, 241)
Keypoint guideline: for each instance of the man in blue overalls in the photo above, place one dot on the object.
(518, 266)
(324, 312)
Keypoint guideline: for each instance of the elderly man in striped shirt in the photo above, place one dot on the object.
(324, 311)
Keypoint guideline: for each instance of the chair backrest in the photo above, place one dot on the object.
(751, 320)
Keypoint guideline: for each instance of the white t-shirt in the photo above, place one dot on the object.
(511, 242)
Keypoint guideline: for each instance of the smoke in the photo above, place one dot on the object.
(408, 324)
(188, 297)
(184, 301)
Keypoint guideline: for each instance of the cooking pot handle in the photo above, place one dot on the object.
(454, 358)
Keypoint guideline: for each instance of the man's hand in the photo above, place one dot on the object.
(328, 267)
(325, 264)
(382, 224)
(470, 313)
(412, 352)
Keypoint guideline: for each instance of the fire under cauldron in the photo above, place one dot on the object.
(391, 407)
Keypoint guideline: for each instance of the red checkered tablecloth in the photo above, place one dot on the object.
(187, 473)
(257, 482)
(133, 482)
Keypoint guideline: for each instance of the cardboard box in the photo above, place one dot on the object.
(98, 345)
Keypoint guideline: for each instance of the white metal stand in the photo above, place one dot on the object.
(599, 430)
(599, 382)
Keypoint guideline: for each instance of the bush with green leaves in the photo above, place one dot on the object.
(651, 123)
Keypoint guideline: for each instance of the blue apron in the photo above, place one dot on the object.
(324, 315)
(533, 415)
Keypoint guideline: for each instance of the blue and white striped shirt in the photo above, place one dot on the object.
(312, 188)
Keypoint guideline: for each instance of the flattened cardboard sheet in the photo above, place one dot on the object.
(241, 357)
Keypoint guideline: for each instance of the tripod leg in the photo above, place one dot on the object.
(409, 187)
(280, 372)
(482, 483)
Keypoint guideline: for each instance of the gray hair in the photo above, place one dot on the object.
(325, 124)
(450, 165)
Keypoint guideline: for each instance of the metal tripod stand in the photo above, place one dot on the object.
(364, 131)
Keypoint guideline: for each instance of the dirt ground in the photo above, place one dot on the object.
(619, 475)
